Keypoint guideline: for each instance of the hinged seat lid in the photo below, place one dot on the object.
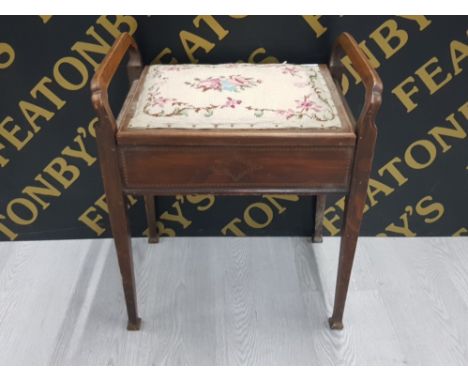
(237, 96)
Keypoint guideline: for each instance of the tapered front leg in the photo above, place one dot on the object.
(122, 238)
(150, 207)
(351, 225)
(319, 210)
(354, 209)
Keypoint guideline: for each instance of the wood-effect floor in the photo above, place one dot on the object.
(235, 301)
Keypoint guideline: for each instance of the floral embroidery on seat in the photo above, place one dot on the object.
(232, 103)
(199, 93)
(292, 70)
(304, 107)
(306, 104)
(232, 83)
(170, 107)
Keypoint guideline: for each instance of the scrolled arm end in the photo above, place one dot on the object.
(347, 45)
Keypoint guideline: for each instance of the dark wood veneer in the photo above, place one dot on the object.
(211, 168)
(235, 161)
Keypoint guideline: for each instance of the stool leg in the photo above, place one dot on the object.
(122, 239)
(319, 210)
(150, 207)
(352, 218)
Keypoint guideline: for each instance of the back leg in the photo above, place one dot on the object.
(319, 211)
(150, 207)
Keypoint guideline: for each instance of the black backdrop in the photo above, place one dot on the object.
(50, 182)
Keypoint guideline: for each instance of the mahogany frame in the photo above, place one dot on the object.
(235, 161)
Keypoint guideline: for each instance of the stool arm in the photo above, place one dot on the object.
(346, 44)
(106, 71)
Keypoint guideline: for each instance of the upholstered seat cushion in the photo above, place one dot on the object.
(235, 96)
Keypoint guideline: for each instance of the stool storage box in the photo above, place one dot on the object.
(235, 129)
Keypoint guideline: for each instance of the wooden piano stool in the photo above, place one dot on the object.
(235, 129)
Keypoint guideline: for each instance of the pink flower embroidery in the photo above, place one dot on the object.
(232, 103)
(292, 70)
(289, 113)
(306, 104)
(210, 84)
(160, 101)
(241, 81)
(232, 83)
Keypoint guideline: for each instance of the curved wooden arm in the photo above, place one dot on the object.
(346, 44)
(106, 71)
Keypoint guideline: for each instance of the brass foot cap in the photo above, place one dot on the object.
(134, 326)
(335, 325)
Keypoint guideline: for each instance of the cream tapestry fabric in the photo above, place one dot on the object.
(235, 96)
